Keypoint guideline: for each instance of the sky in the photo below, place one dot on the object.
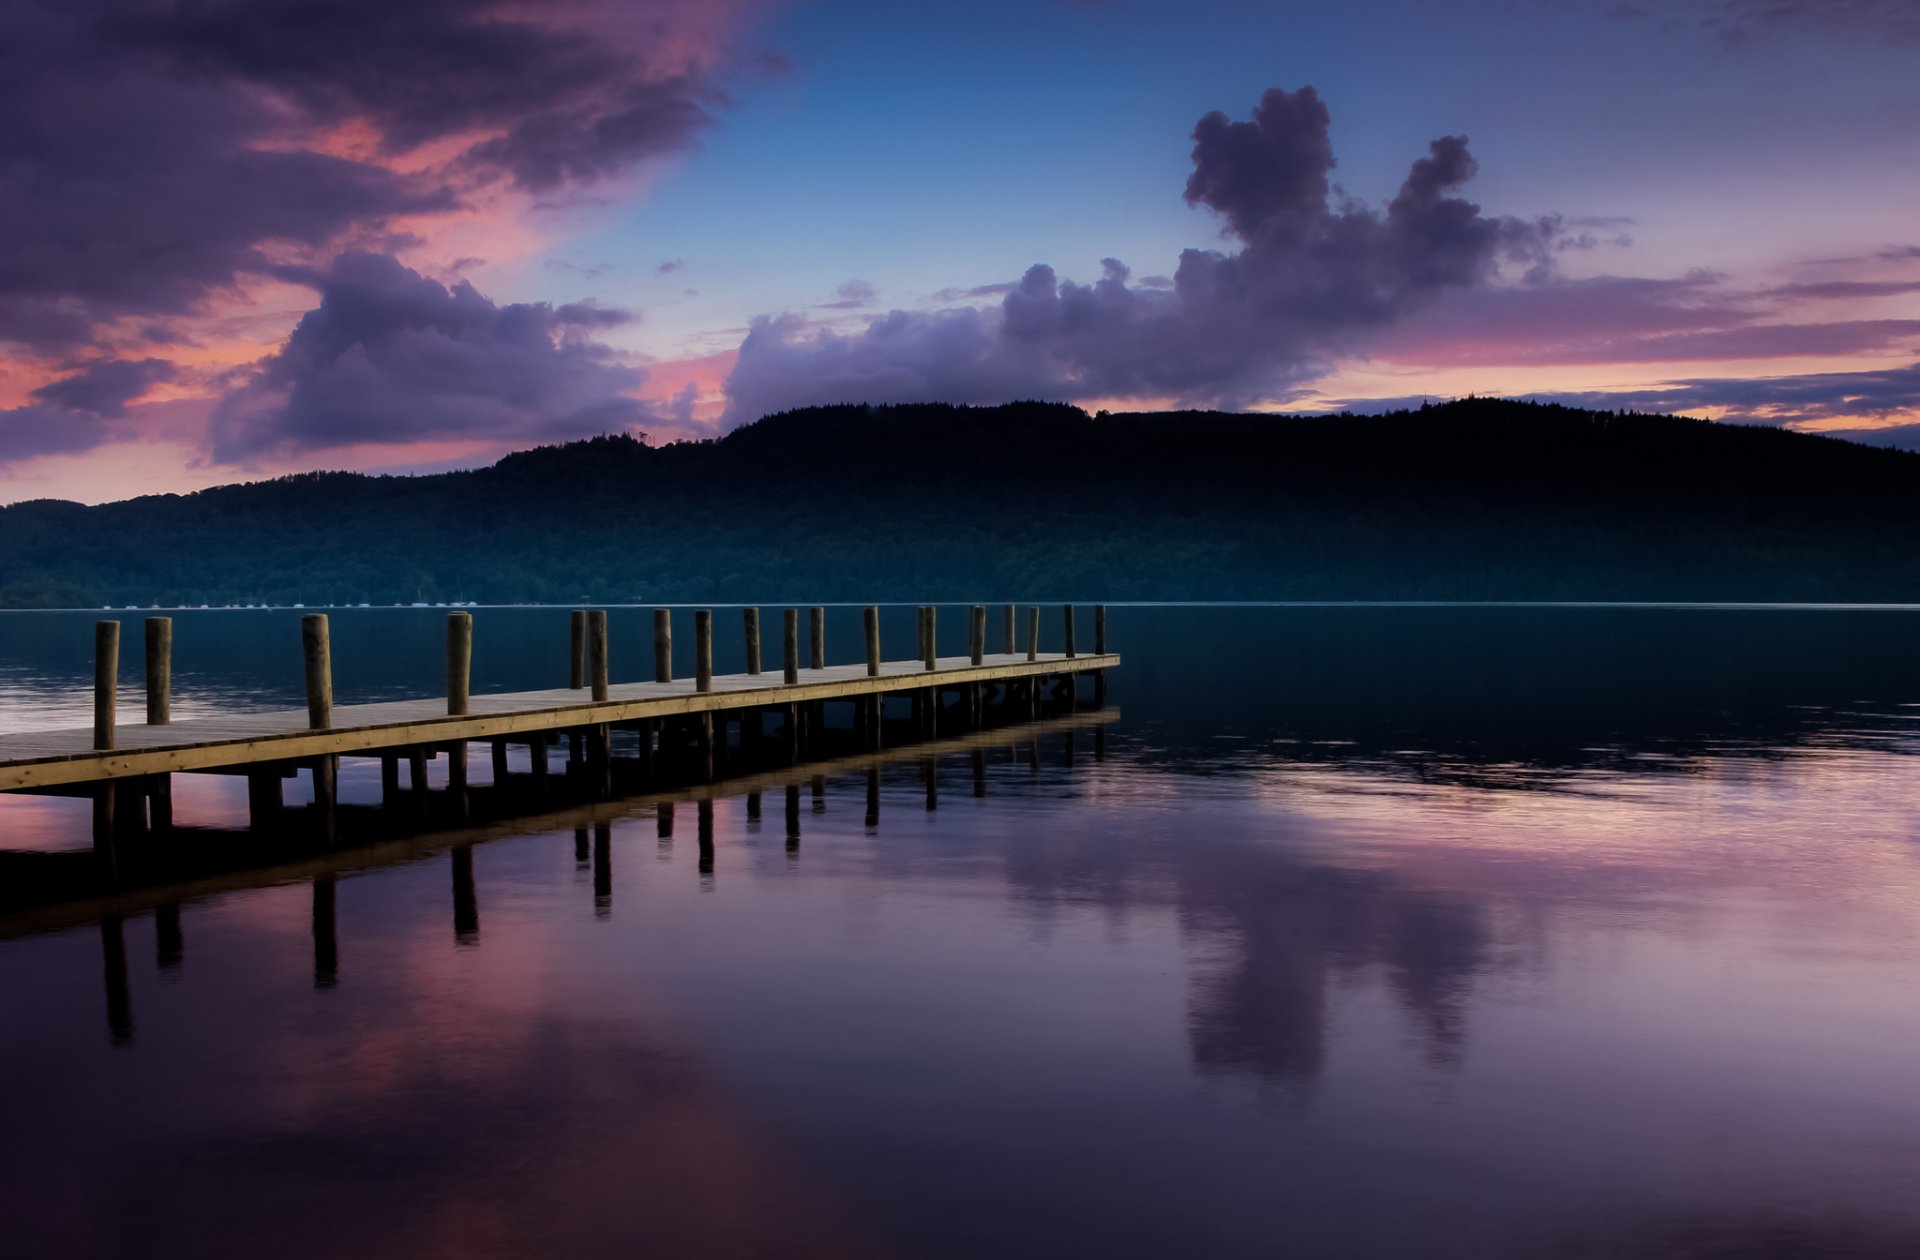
(241, 238)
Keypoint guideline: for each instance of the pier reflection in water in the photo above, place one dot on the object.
(1628, 975)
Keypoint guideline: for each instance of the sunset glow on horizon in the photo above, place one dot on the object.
(240, 243)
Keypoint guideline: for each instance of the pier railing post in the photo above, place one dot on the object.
(790, 646)
(930, 645)
(1066, 624)
(1033, 633)
(106, 680)
(319, 662)
(159, 787)
(873, 640)
(751, 627)
(597, 651)
(703, 650)
(1006, 637)
(1099, 629)
(577, 650)
(459, 662)
(817, 647)
(662, 645)
(159, 671)
(977, 634)
(317, 650)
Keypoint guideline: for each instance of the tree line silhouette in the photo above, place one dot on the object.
(1475, 499)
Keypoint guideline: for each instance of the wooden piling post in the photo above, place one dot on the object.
(159, 787)
(817, 624)
(977, 635)
(750, 619)
(159, 671)
(597, 652)
(106, 680)
(1006, 637)
(498, 751)
(537, 751)
(577, 649)
(930, 646)
(1099, 629)
(264, 800)
(703, 650)
(872, 614)
(662, 645)
(1033, 633)
(459, 662)
(1066, 624)
(319, 662)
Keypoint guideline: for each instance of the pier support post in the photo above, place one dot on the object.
(750, 627)
(1033, 633)
(873, 702)
(977, 635)
(106, 681)
(1066, 625)
(318, 654)
(457, 777)
(159, 787)
(159, 671)
(389, 780)
(930, 637)
(498, 751)
(1006, 637)
(537, 752)
(1099, 649)
(459, 688)
(703, 650)
(417, 780)
(106, 678)
(459, 662)
(790, 646)
(264, 800)
(577, 649)
(817, 648)
(317, 650)
(662, 645)
(597, 667)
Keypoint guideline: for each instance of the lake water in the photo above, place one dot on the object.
(1370, 932)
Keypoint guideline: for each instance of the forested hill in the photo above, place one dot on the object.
(1471, 500)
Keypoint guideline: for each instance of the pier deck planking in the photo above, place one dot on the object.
(37, 759)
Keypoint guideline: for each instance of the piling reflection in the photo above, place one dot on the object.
(466, 900)
(602, 869)
(113, 957)
(169, 940)
(326, 934)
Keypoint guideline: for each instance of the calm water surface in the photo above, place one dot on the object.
(1371, 932)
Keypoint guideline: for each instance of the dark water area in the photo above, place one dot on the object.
(1369, 932)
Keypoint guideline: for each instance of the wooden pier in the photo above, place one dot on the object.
(681, 723)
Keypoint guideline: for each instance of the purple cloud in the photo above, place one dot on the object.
(1794, 401)
(73, 413)
(157, 153)
(1310, 280)
(390, 356)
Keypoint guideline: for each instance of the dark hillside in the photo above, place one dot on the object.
(1472, 500)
